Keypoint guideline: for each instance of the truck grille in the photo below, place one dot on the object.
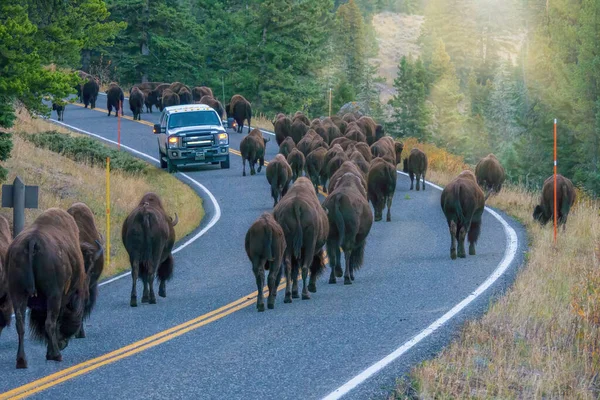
(198, 140)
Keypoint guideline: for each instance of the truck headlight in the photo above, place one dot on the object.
(223, 138)
(174, 141)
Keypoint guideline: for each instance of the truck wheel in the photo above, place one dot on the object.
(163, 163)
(225, 164)
(171, 168)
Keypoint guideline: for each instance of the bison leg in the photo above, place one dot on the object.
(273, 280)
(145, 279)
(333, 251)
(288, 283)
(150, 280)
(261, 162)
(53, 351)
(452, 226)
(347, 279)
(474, 231)
(20, 306)
(252, 168)
(244, 166)
(305, 294)
(412, 179)
(135, 268)
(418, 182)
(259, 273)
(424, 181)
(462, 234)
(389, 207)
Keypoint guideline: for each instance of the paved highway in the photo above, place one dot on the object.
(206, 340)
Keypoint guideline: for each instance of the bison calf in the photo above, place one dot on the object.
(416, 164)
(463, 203)
(46, 273)
(279, 176)
(565, 198)
(296, 160)
(286, 146)
(148, 235)
(265, 247)
(490, 175)
(381, 186)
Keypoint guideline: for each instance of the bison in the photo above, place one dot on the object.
(148, 235)
(5, 303)
(157, 95)
(331, 130)
(305, 228)
(565, 198)
(490, 175)
(381, 183)
(114, 99)
(298, 130)
(149, 100)
(416, 164)
(315, 166)
(214, 104)
(299, 116)
(200, 91)
(252, 148)
(357, 158)
(92, 252)
(388, 149)
(283, 129)
(136, 103)
(279, 176)
(46, 273)
(350, 220)
(240, 110)
(265, 246)
(89, 92)
(343, 141)
(185, 96)
(311, 141)
(347, 167)
(287, 146)
(59, 107)
(176, 87)
(369, 128)
(169, 98)
(463, 203)
(296, 160)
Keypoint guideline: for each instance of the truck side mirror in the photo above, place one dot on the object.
(156, 129)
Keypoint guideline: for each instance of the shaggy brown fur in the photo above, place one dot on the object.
(239, 109)
(283, 129)
(176, 87)
(252, 148)
(305, 228)
(200, 91)
(369, 128)
(416, 164)
(342, 141)
(114, 99)
(299, 116)
(265, 246)
(296, 160)
(287, 146)
(298, 131)
(315, 165)
(347, 167)
(136, 103)
(185, 96)
(214, 104)
(169, 98)
(490, 175)
(311, 141)
(279, 176)
(463, 203)
(381, 182)
(388, 149)
(565, 198)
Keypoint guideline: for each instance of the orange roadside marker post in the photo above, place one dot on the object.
(555, 165)
(107, 244)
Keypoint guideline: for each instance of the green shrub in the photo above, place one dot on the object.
(87, 150)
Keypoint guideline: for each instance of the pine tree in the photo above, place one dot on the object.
(350, 37)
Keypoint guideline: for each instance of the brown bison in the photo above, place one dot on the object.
(369, 128)
(343, 141)
(311, 141)
(305, 228)
(169, 98)
(354, 133)
(365, 150)
(200, 91)
(283, 129)
(156, 95)
(240, 110)
(315, 166)
(252, 148)
(176, 87)
(319, 128)
(46, 273)
(149, 101)
(388, 149)
(565, 198)
(279, 176)
(265, 246)
(5, 303)
(59, 107)
(298, 130)
(92, 252)
(348, 118)
(287, 146)
(350, 221)
(90, 90)
(416, 164)
(136, 103)
(359, 160)
(347, 167)
(490, 175)
(214, 104)
(114, 99)
(299, 116)
(296, 160)
(381, 183)
(463, 203)
(148, 235)
(331, 130)
(185, 96)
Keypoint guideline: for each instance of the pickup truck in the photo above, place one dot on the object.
(191, 134)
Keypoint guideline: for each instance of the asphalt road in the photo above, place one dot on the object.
(306, 349)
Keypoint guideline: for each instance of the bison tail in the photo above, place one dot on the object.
(357, 256)
(339, 221)
(299, 233)
(268, 244)
(317, 267)
(165, 270)
(459, 211)
(37, 323)
(29, 275)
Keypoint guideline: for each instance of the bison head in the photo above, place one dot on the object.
(398, 147)
(539, 215)
(91, 253)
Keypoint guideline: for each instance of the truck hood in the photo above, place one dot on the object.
(186, 129)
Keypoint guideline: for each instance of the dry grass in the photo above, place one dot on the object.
(262, 122)
(541, 340)
(62, 182)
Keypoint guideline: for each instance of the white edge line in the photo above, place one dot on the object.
(212, 198)
(509, 255)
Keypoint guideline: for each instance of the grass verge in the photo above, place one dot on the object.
(542, 339)
(63, 181)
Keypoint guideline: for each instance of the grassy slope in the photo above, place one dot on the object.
(63, 182)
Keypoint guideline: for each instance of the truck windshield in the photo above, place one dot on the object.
(195, 118)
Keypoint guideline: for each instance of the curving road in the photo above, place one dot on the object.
(217, 346)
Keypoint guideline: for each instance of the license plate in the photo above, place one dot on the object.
(200, 156)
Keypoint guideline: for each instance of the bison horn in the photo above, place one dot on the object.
(176, 220)
(100, 250)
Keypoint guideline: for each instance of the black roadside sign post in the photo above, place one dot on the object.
(18, 196)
